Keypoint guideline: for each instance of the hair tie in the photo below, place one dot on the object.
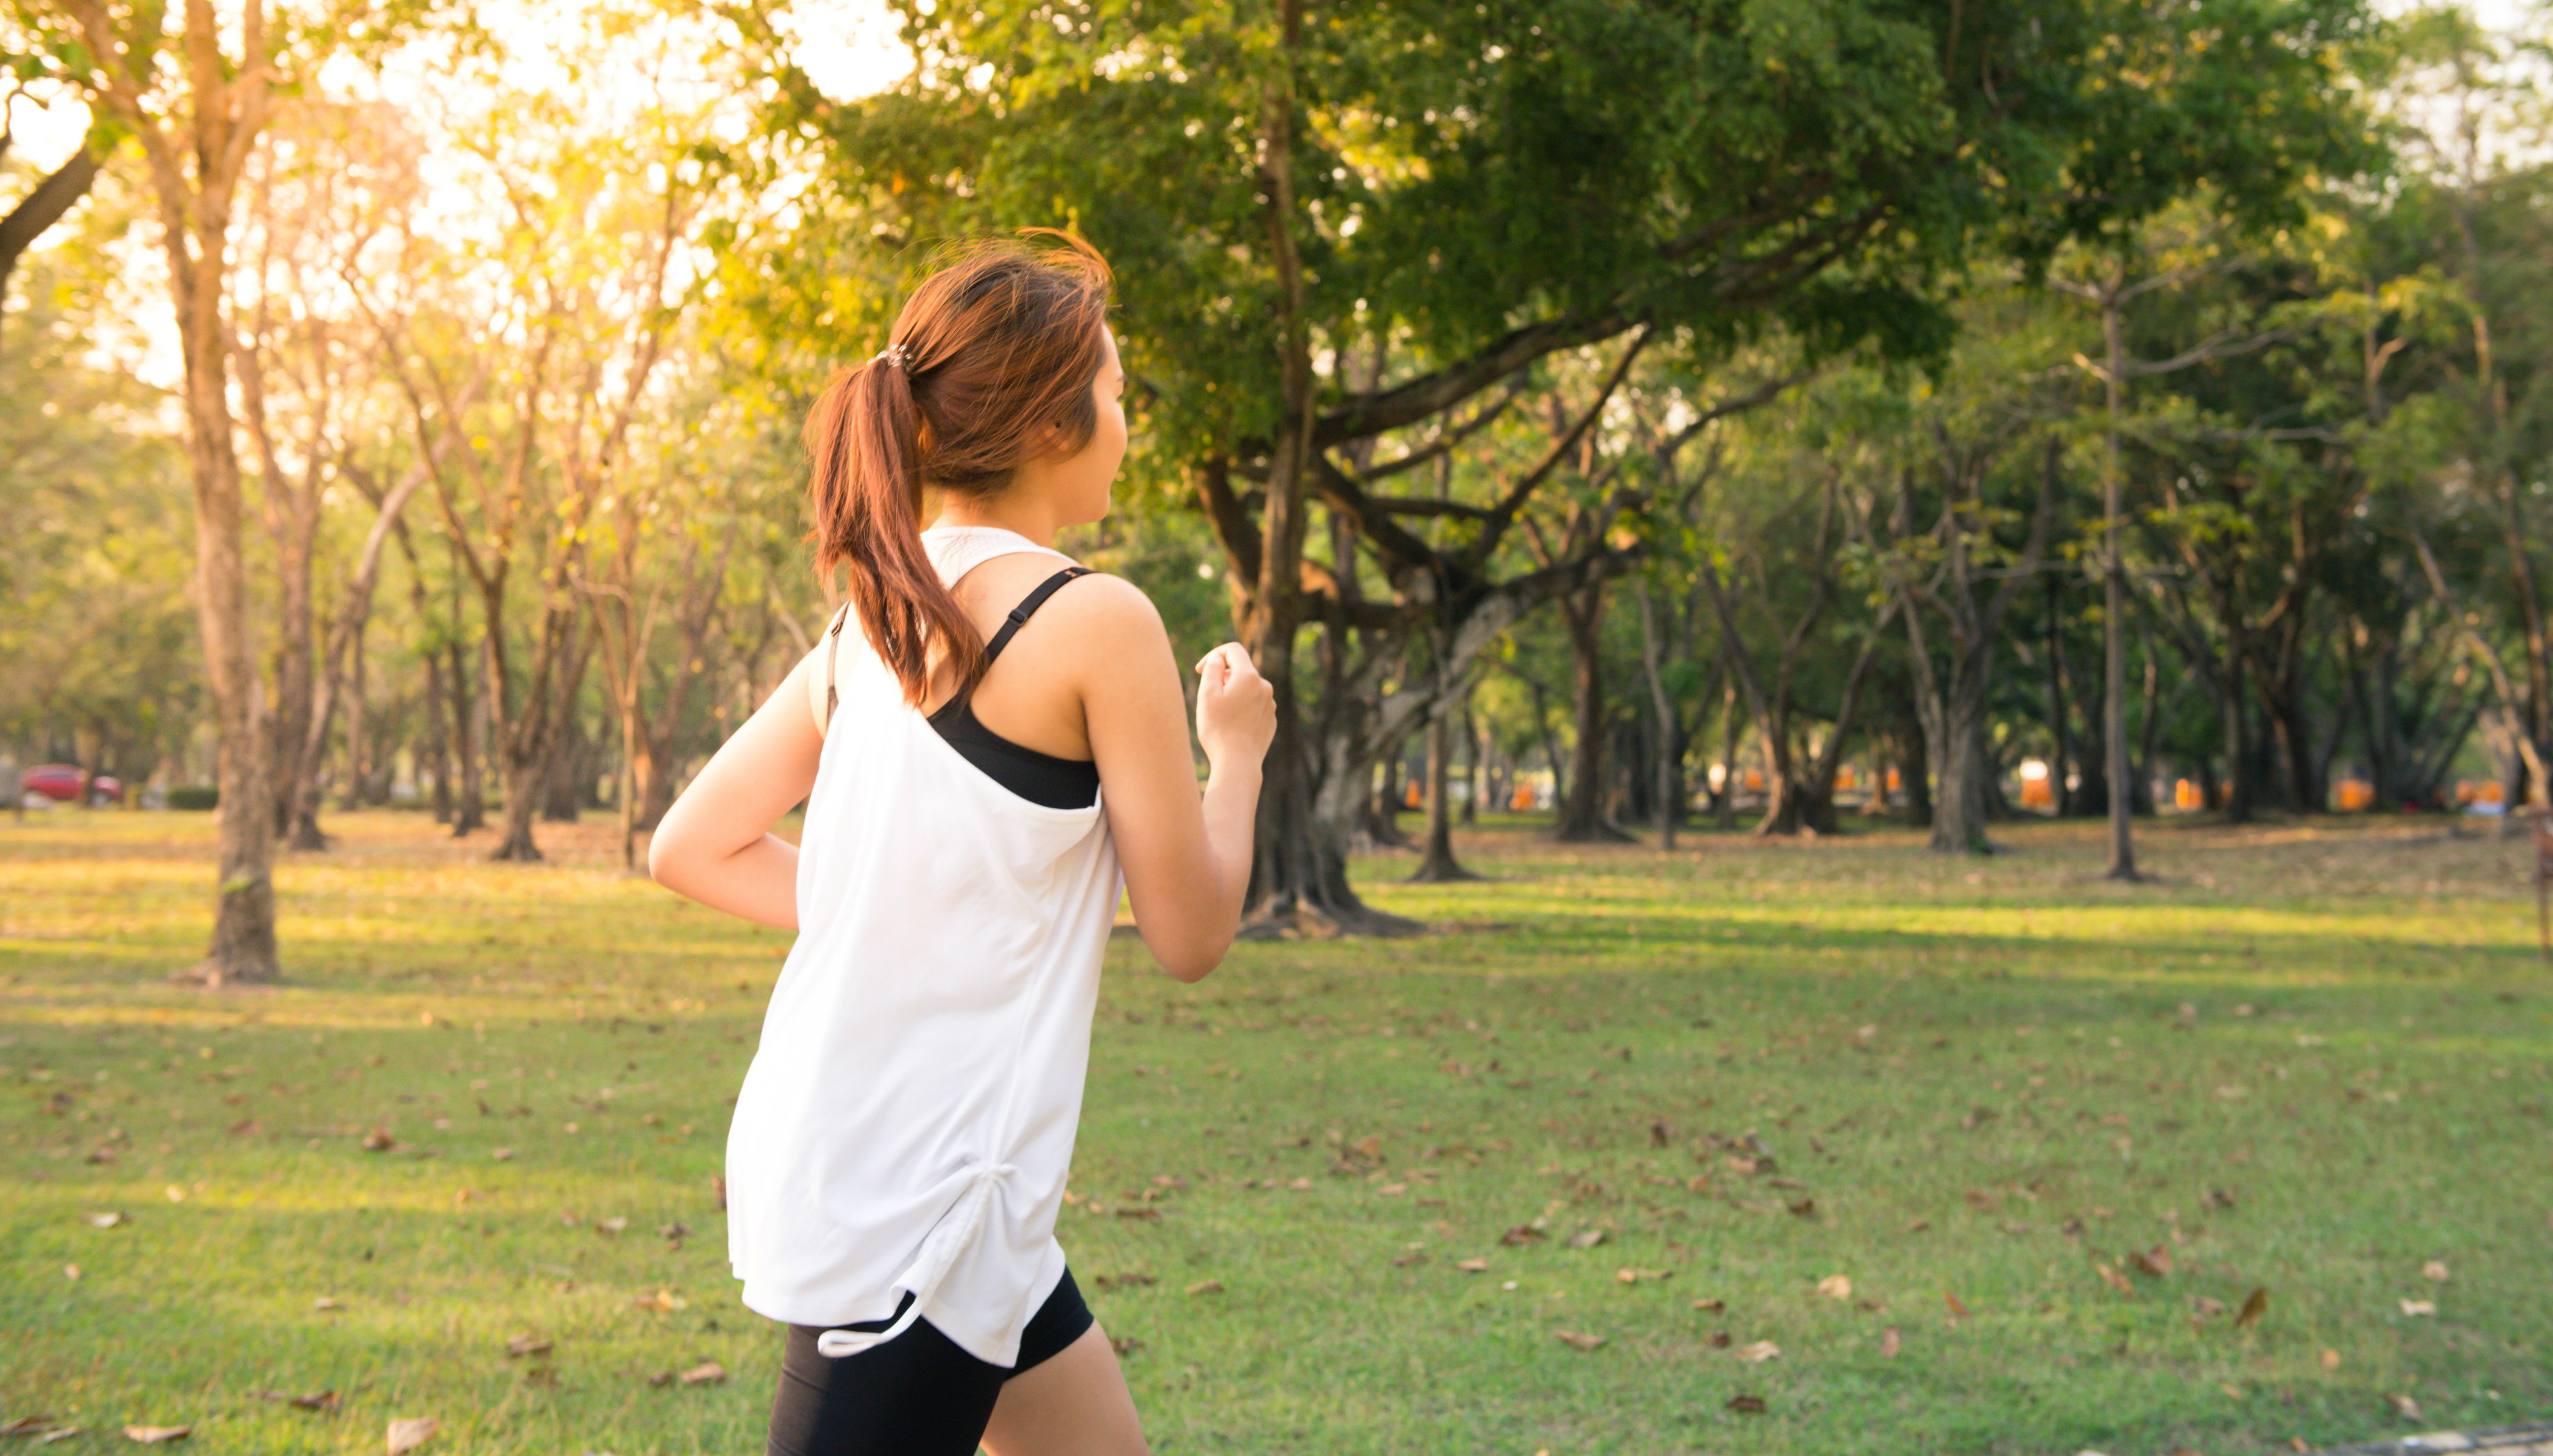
(892, 356)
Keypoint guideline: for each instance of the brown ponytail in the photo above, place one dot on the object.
(996, 348)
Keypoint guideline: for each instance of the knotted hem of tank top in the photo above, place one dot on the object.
(930, 1267)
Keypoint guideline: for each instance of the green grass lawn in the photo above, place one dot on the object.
(491, 1100)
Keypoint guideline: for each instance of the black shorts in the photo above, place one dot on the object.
(916, 1395)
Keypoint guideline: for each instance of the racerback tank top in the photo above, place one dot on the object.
(909, 1117)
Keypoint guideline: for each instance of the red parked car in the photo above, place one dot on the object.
(62, 782)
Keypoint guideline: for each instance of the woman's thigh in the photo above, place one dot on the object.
(916, 1395)
(1073, 1404)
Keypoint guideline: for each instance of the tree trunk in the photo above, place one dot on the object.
(1440, 866)
(1378, 822)
(2234, 794)
(1471, 763)
(436, 756)
(2114, 604)
(344, 642)
(358, 760)
(468, 740)
(2141, 797)
(1724, 801)
(2092, 772)
(2060, 751)
(1918, 794)
(1550, 746)
(1815, 795)
(1959, 811)
(570, 777)
(531, 735)
(1581, 808)
(243, 947)
(1954, 713)
(1669, 736)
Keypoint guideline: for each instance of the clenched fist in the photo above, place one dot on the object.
(1236, 712)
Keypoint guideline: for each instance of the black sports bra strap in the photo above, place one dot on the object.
(1028, 608)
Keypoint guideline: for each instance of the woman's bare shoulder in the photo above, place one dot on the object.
(1103, 613)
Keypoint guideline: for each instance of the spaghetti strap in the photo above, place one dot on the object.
(1026, 608)
(1017, 618)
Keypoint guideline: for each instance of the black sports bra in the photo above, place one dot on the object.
(1039, 777)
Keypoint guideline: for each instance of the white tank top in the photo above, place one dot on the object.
(909, 1117)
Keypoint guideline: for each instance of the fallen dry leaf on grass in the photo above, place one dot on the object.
(1587, 1238)
(2405, 1406)
(2155, 1263)
(663, 1302)
(2114, 1278)
(2434, 1270)
(1759, 1351)
(152, 1435)
(1888, 1343)
(379, 1140)
(1634, 1276)
(1711, 1306)
(407, 1432)
(1718, 1339)
(1473, 1266)
(104, 1219)
(518, 1346)
(27, 1425)
(2254, 1306)
(706, 1373)
(2207, 1308)
(322, 1400)
(1746, 1404)
(1522, 1234)
(1207, 1286)
(2331, 1359)
(2419, 1308)
(1836, 1286)
(1957, 1309)
(1578, 1339)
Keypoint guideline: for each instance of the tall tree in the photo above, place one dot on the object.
(1484, 187)
(2246, 99)
(196, 95)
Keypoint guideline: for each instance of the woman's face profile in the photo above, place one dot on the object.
(1080, 482)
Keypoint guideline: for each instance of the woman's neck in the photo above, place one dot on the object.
(1009, 511)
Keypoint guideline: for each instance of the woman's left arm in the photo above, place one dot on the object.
(715, 845)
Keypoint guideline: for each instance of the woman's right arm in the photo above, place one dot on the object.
(1186, 856)
(715, 845)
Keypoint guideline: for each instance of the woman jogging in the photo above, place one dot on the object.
(986, 738)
